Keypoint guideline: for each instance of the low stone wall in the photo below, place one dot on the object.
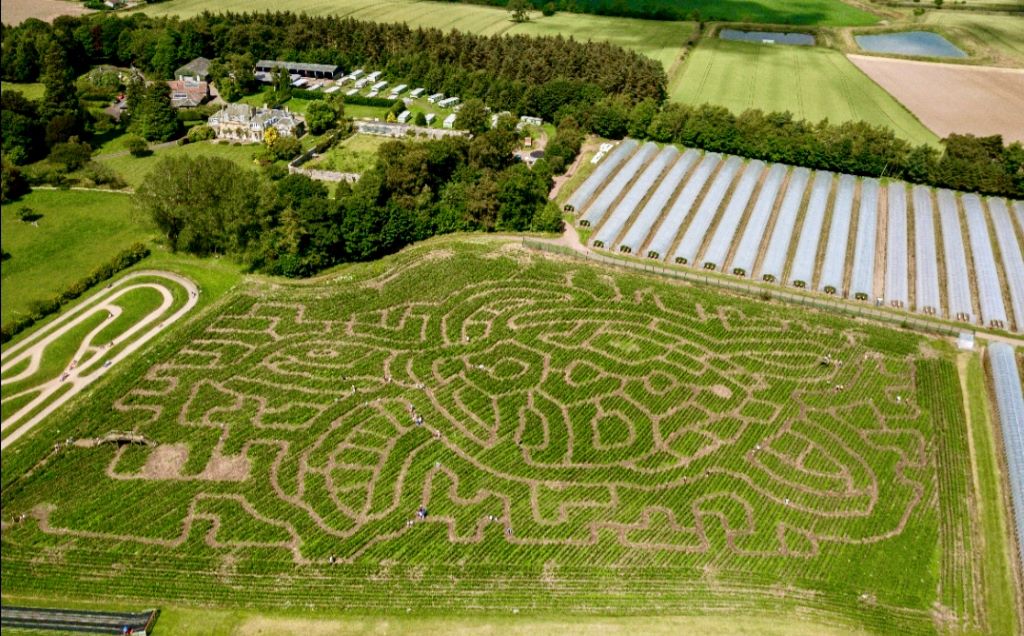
(295, 167)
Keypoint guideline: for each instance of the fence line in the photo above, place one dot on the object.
(751, 289)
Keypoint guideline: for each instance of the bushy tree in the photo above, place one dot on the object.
(154, 118)
(320, 117)
(136, 145)
(72, 154)
(473, 117)
(21, 130)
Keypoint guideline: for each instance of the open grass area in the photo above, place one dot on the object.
(1000, 37)
(580, 440)
(816, 12)
(358, 153)
(661, 41)
(33, 90)
(78, 231)
(135, 169)
(811, 82)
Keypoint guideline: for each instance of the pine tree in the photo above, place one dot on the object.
(60, 96)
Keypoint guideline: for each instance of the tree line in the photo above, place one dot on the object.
(965, 162)
(291, 226)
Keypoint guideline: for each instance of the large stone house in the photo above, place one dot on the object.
(242, 122)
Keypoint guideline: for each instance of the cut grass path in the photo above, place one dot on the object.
(658, 40)
(78, 231)
(812, 83)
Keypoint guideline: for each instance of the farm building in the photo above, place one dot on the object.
(188, 93)
(436, 97)
(242, 122)
(449, 121)
(417, 92)
(198, 70)
(265, 69)
(448, 102)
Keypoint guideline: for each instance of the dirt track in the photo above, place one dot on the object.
(34, 346)
(953, 98)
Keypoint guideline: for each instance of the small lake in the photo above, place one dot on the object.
(924, 43)
(801, 39)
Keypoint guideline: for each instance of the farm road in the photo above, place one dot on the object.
(33, 347)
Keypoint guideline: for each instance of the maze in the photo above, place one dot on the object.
(509, 411)
(56, 362)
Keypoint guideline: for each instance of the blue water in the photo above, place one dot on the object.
(924, 43)
(802, 39)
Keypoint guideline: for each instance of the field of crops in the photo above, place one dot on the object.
(468, 425)
(658, 40)
(998, 36)
(839, 235)
(818, 12)
(813, 83)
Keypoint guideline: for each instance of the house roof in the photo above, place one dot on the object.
(199, 66)
(299, 66)
(188, 92)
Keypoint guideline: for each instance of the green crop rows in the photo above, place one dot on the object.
(582, 441)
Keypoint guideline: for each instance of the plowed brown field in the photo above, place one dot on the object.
(953, 98)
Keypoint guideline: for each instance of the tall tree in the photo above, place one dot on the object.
(60, 95)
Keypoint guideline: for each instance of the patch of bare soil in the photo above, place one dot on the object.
(722, 391)
(17, 11)
(226, 468)
(166, 462)
(953, 98)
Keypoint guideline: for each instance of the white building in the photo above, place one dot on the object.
(398, 90)
(374, 76)
(448, 102)
(431, 117)
(242, 122)
(379, 86)
(449, 121)
(531, 121)
(417, 93)
(404, 116)
(436, 97)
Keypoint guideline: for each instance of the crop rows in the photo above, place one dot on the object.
(820, 231)
(515, 419)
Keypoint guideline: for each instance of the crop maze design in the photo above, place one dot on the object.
(534, 412)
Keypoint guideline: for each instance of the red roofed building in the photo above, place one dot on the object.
(188, 93)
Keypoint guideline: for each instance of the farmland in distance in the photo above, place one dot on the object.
(813, 83)
(467, 422)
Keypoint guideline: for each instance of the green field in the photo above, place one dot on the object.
(135, 169)
(1001, 36)
(817, 12)
(661, 41)
(30, 91)
(78, 231)
(812, 83)
(591, 442)
(358, 153)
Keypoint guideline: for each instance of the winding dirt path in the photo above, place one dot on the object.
(80, 376)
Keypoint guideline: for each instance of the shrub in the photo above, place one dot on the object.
(136, 145)
(200, 133)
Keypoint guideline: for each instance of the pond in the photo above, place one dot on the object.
(802, 39)
(924, 43)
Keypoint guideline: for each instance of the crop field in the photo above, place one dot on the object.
(813, 83)
(53, 364)
(817, 12)
(658, 40)
(470, 425)
(17, 11)
(75, 232)
(954, 98)
(838, 235)
(1000, 37)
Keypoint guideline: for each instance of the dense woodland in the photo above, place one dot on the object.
(290, 225)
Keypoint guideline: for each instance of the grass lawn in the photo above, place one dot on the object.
(1001, 36)
(78, 231)
(135, 169)
(358, 153)
(615, 490)
(659, 40)
(817, 12)
(33, 90)
(811, 82)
